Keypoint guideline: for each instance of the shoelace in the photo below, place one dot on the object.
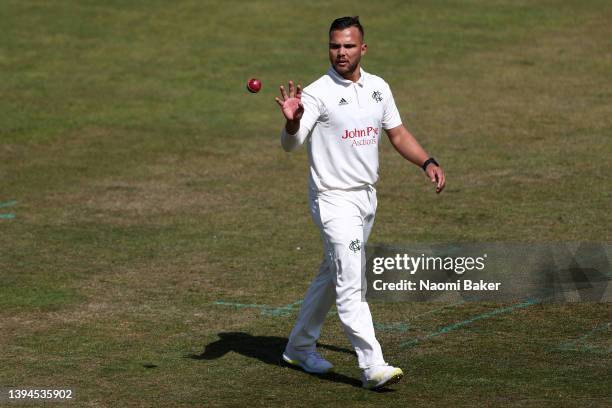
(315, 355)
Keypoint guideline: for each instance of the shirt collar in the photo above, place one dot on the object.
(338, 78)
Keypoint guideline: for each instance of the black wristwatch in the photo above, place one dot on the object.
(429, 161)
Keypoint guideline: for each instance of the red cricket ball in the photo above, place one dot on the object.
(254, 85)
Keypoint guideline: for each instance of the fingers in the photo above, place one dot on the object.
(432, 173)
(294, 92)
(437, 177)
(280, 103)
(298, 93)
(283, 93)
(291, 89)
(441, 180)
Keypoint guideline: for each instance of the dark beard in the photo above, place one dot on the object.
(349, 70)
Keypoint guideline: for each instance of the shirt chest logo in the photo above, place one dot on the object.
(361, 137)
(369, 131)
(377, 96)
(343, 102)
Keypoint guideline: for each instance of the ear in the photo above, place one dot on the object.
(364, 48)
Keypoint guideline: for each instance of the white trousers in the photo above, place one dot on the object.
(345, 219)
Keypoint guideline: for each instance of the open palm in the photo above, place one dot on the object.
(291, 104)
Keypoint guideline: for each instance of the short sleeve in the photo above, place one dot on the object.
(391, 116)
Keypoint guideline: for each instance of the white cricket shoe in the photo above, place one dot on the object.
(379, 376)
(311, 361)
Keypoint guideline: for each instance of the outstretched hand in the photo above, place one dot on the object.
(291, 105)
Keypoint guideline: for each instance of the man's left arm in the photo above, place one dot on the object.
(406, 145)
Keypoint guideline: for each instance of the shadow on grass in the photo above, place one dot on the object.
(267, 349)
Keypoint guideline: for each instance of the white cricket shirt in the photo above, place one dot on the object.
(342, 125)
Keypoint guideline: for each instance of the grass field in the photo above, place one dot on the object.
(155, 240)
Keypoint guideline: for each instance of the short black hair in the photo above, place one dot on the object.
(346, 22)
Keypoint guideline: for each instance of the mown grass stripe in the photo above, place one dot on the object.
(8, 204)
(580, 343)
(267, 310)
(449, 328)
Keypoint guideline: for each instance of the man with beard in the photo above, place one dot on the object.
(340, 117)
